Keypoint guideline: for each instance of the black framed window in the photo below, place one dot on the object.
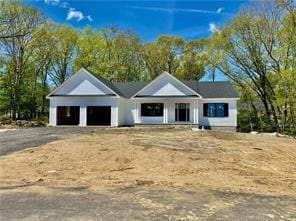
(152, 109)
(215, 109)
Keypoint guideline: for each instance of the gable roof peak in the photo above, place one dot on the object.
(101, 80)
(172, 77)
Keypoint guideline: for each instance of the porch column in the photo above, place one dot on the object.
(82, 116)
(195, 111)
(53, 116)
(165, 112)
(115, 122)
(137, 112)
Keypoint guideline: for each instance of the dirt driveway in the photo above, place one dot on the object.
(140, 203)
(152, 174)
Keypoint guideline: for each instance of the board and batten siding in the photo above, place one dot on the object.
(133, 111)
(230, 121)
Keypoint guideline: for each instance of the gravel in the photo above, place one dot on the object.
(15, 140)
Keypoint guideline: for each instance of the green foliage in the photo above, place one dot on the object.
(112, 53)
(65, 42)
(256, 50)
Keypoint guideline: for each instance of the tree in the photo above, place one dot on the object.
(42, 62)
(112, 53)
(257, 45)
(65, 43)
(163, 55)
(20, 22)
(90, 47)
(192, 61)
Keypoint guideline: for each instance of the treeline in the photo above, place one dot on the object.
(38, 54)
(256, 50)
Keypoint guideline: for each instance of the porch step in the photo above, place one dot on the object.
(168, 125)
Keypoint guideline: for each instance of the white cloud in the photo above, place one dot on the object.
(219, 10)
(52, 2)
(64, 5)
(77, 15)
(57, 3)
(213, 28)
(173, 10)
(73, 14)
(89, 18)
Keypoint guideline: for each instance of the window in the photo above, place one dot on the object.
(152, 109)
(215, 109)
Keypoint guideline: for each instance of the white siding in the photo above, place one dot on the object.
(129, 112)
(229, 121)
(121, 111)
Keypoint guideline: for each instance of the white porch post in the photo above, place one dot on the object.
(137, 112)
(116, 117)
(195, 111)
(82, 116)
(53, 116)
(165, 112)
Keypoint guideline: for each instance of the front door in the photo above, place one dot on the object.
(182, 111)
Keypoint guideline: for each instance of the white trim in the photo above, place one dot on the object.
(221, 98)
(168, 74)
(63, 84)
(166, 97)
(74, 75)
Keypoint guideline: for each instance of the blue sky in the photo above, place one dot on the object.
(189, 19)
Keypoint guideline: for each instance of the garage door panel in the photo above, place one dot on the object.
(99, 115)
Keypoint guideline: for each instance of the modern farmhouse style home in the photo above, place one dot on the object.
(87, 100)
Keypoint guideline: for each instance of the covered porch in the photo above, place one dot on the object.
(166, 110)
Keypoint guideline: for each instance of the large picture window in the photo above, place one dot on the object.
(215, 109)
(152, 109)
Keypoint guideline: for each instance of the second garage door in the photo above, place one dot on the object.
(99, 115)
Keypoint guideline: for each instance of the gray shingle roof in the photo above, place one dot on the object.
(128, 89)
(217, 89)
(107, 83)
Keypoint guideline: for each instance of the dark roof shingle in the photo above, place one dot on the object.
(207, 89)
(128, 89)
(217, 89)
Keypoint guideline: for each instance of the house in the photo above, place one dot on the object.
(86, 99)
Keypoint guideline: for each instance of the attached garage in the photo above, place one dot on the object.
(68, 115)
(99, 115)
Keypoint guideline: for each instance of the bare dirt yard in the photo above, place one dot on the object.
(170, 158)
(164, 160)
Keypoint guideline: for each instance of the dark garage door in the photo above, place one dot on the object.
(68, 115)
(99, 115)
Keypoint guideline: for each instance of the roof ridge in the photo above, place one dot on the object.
(213, 81)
